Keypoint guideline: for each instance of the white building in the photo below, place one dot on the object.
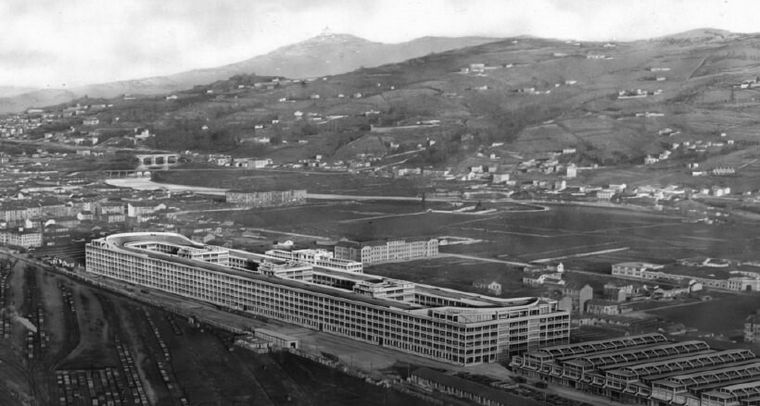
(437, 323)
(571, 171)
(374, 252)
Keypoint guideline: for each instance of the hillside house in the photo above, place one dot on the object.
(477, 68)
(251, 163)
(499, 178)
(571, 171)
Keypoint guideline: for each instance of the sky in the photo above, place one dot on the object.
(65, 43)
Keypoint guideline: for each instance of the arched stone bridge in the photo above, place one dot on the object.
(156, 161)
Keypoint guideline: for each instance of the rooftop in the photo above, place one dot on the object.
(599, 345)
(139, 243)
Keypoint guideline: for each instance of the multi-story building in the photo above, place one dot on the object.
(107, 208)
(576, 296)
(618, 293)
(604, 307)
(114, 218)
(56, 234)
(21, 237)
(319, 258)
(14, 211)
(634, 269)
(272, 198)
(442, 324)
(374, 252)
(143, 208)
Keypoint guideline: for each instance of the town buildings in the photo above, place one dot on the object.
(618, 293)
(252, 163)
(634, 269)
(752, 328)
(603, 307)
(374, 252)
(738, 279)
(575, 296)
(145, 210)
(21, 237)
(271, 198)
(442, 324)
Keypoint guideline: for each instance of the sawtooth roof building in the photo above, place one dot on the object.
(437, 323)
(649, 369)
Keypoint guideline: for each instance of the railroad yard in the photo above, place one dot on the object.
(67, 343)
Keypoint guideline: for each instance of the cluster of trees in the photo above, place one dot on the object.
(248, 79)
(55, 126)
(447, 149)
(183, 134)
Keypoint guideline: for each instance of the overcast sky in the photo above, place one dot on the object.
(56, 43)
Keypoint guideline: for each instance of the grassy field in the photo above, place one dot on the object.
(313, 182)
(563, 232)
(362, 221)
(724, 314)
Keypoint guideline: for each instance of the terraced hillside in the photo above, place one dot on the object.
(613, 103)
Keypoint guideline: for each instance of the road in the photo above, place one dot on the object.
(266, 230)
(582, 254)
(499, 261)
(147, 184)
(325, 196)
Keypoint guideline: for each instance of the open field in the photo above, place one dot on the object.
(354, 220)
(562, 231)
(723, 315)
(574, 234)
(271, 179)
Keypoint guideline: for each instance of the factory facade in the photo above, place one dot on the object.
(649, 369)
(442, 324)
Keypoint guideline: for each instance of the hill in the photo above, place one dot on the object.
(326, 54)
(684, 99)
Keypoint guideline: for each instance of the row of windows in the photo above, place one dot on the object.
(429, 337)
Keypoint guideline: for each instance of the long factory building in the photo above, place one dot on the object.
(437, 323)
(649, 369)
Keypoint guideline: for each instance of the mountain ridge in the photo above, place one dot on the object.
(324, 54)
